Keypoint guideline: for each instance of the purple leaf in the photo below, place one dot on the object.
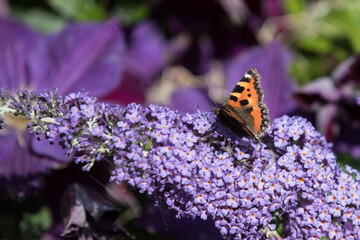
(146, 53)
(83, 56)
(54, 151)
(271, 61)
(272, 8)
(333, 101)
(348, 72)
(348, 142)
(16, 157)
(17, 42)
(325, 120)
(318, 91)
(19, 187)
(190, 99)
(88, 215)
(235, 9)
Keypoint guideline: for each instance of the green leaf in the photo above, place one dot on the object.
(347, 159)
(41, 20)
(347, 22)
(132, 12)
(318, 43)
(293, 6)
(80, 10)
(325, 33)
(148, 145)
(300, 68)
(35, 223)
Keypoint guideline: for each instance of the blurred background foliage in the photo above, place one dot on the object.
(178, 50)
(321, 33)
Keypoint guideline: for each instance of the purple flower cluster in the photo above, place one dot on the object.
(326, 201)
(288, 184)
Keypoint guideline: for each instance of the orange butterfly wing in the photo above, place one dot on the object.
(243, 110)
(247, 92)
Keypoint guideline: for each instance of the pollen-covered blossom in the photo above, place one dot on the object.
(289, 184)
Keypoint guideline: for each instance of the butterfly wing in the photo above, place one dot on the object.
(243, 110)
(256, 119)
(235, 122)
(247, 92)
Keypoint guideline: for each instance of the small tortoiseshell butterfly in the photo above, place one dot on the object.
(243, 110)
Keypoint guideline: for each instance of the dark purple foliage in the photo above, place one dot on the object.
(145, 56)
(82, 56)
(88, 215)
(17, 43)
(333, 101)
(191, 99)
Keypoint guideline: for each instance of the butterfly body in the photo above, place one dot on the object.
(243, 110)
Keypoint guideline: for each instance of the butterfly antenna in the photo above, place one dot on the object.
(166, 226)
(197, 106)
(211, 96)
(215, 103)
(98, 182)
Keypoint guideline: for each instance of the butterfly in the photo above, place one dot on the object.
(243, 111)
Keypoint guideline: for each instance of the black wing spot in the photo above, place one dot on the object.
(233, 98)
(249, 95)
(246, 79)
(248, 89)
(238, 89)
(244, 102)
